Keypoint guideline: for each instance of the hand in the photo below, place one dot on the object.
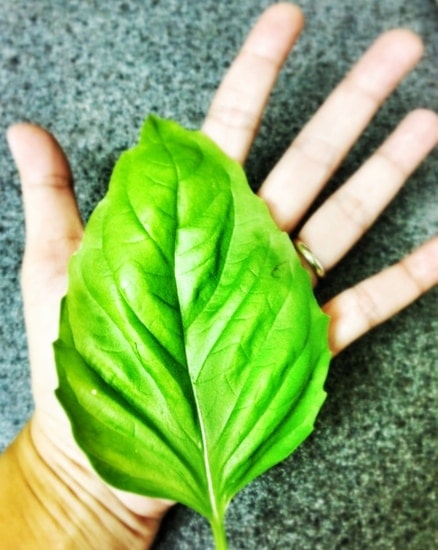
(54, 229)
(317, 152)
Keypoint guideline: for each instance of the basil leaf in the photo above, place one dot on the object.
(192, 353)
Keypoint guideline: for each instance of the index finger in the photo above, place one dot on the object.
(236, 110)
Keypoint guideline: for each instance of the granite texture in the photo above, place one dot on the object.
(90, 71)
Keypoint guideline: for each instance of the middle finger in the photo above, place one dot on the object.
(325, 140)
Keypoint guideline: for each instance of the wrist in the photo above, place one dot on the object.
(50, 500)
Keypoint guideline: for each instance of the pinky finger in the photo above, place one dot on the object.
(360, 308)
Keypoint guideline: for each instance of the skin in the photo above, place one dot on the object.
(49, 496)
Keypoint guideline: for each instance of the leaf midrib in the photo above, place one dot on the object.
(205, 454)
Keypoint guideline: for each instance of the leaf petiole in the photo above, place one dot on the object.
(218, 528)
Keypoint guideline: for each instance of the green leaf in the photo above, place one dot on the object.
(192, 353)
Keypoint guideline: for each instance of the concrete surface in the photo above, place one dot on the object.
(90, 72)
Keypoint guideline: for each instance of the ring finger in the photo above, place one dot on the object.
(336, 226)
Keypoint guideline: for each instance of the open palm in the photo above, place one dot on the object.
(54, 228)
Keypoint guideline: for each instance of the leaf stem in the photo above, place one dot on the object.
(218, 528)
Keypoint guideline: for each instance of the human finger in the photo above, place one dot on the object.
(53, 224)
(371, 302)
(53, 232)
(338, 224)
(326, 139)
(236, 110)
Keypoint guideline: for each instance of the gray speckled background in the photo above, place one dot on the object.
(90, 71)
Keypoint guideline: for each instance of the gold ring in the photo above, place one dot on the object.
(310, 258)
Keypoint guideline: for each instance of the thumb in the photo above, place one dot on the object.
(53, 232)
(53, 223)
